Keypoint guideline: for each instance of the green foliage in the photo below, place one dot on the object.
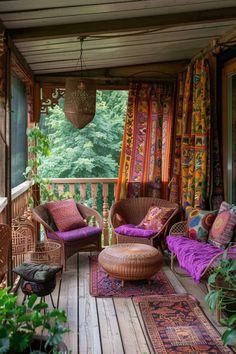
(91, 152)
(18, 324)
(222, 296)
(39, 150)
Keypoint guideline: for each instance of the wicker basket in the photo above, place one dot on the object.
(46, 253)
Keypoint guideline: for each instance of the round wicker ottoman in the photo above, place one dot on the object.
(130, 261)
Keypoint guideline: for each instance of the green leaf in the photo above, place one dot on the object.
(212, 278)
(4, 345)
(231, 320)
(212, 299)
(41, 306)
(32, 300)
(229, 336)
(20, 340)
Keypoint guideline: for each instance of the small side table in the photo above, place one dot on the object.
(131, 261)
(39, 279)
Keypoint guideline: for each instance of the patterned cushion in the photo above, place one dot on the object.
(222, 229)
(73, 235)
(199, 223)
(132, 230)
(65, 214)
(155, 218)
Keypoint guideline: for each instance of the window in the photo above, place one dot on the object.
(18, 131)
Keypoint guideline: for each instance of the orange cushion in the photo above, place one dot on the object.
(65, 215)
(155, 218)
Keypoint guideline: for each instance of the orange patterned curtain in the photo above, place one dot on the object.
(145, 157)
(191, 173)
(195, 156)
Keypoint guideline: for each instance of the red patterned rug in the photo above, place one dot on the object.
(176, 324)
(103, 286)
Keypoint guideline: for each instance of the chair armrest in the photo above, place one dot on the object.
(112, 220)
(88, 212)
(179, 229)
(37, 218)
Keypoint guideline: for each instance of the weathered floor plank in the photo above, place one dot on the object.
(106, 325)
(68, 301)
(109, 328)
(89, 334)
(131, 331)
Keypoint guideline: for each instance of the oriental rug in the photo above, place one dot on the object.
(176, 324)
(103, 286)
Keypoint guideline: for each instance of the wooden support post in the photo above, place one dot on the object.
(7, 80)
(105, 214)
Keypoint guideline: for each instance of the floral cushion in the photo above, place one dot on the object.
(155, 218)
(222, 229)
(199, 223)
(65, 214)
(133, 230)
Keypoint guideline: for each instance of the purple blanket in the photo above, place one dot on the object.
(193, 256)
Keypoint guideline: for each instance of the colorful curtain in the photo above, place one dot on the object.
(175, 185)
(145, 157)
(195, 149)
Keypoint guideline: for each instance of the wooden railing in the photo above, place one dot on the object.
(96, 192)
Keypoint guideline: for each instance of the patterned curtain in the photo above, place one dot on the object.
(175, 185)
(195, 154)
(145, 157)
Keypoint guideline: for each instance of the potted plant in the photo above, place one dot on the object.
(222, 296)
(30, 328)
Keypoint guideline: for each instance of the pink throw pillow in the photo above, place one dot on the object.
(222, 229)
(65, 215)
(156, 218)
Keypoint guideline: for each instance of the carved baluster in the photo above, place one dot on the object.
(72, 190)
(50, 189)
(105, 214)
(83, 192)
(94, 189)
(60, 189)
(113, 237)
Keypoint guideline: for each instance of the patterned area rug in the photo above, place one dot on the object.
(176, 324)
(103, 286)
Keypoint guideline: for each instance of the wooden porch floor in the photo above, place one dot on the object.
(110, 325)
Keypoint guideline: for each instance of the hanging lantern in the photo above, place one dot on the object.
(80, 97)
(80, 101)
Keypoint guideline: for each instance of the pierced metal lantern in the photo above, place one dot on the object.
(80, 101)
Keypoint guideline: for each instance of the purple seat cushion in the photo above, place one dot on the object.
(76, 234)
(193, 256)
(133, 230)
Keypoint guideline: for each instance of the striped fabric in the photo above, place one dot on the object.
(145, 157)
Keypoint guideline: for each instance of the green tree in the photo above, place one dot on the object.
(91, 152)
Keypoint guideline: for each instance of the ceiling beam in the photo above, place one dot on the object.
(124, 25)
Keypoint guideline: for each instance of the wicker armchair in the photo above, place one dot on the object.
(180, 229)
(5, 242)
(82, 243)
(133, 211)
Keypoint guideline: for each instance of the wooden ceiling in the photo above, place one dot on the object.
(117, 32)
